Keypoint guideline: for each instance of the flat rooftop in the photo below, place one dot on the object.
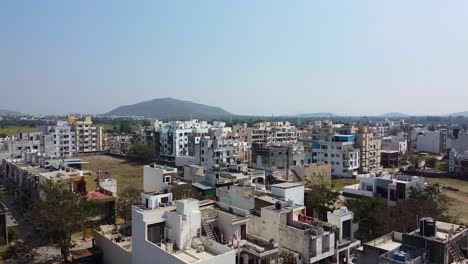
(191, 255)
(286, 185)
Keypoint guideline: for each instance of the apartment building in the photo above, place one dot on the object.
(369, 146)
(432, 242)
(390, 189)
(395, 144)
(120, 145)
(432, 141)
(272, 157)
(88, 138)
(458, 163)
(271, 133)
(16, 147)
(64, 136)
(338, 152)
(178, 138)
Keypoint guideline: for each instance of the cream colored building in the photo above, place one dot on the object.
(88, 138)
(369, 146)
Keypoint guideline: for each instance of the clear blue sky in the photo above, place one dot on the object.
(250, 57)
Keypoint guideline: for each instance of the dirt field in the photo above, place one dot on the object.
(126, 173)
(338, 184)
(458, 200)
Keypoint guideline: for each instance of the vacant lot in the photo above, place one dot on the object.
(126, 173)
(458, 200)
(12, 130)
(338, 184)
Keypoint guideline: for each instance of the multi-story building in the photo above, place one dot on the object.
(272, 158)
(177, 139)
(16, 147)
(432, 142)
(432, 242)
(88, 138)
(390, 189)
(120, 145)
(369, 146)
(64, 138)
(458, 163)
(394, 144)
(460, 142)
(339, 152)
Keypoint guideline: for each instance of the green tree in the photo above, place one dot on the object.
(431, 162)
(60, 213)
(142, 153)
(125, 127)
(415, 160)
(402, 217)
(287, 257)
(363, 209)
(19, 253)
(129, 196)
(321, 199)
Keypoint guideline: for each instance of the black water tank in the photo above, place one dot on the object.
(427, 227)
(278, 205)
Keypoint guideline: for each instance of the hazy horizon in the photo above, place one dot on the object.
(249, 57)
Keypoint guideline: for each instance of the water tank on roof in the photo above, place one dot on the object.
(278, 205)
(290, 202)
(427, 227)
(399, 256)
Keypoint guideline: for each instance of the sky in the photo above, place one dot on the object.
(249, 57)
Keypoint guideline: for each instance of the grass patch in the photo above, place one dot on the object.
(457, 200)
(12, 130)
(449, 182)
(126, 173)
(339, 184)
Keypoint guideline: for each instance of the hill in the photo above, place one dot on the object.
(169, 108)
(318, 115)
(394, 114)
(464, 114)
(4, 112)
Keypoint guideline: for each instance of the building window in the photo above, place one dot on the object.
(167, 179)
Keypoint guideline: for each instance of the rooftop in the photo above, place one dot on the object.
(286, 185)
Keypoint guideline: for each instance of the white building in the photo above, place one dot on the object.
(390, 189)
(157, 178)
(289, 191)
(172, 233)
(460, 144)
(391, 143)
(64, 138)
(432, 142)
(339, 152)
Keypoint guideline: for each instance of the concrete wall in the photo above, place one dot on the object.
(112, 253)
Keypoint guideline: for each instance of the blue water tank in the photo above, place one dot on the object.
(399, 256)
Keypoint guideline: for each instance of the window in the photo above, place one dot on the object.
(167, 179)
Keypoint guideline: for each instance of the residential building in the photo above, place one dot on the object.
(338, 152)
(120, 145)
(88, 138)
(460, 142)
(171, 232)
(392, 143)
(272, 158)
(390, 189)
(390, 158)
(432, 142)
(64, 138)
(157, 178)
(458, 163)
(434, 242)
(369, 146)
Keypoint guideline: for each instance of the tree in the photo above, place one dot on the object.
(415, 160)
(60, 213)
(431, 162)
(403, 217)
(363, 209)
(125, 127)
(287, 257)
(321, 199)
(129, 196)
(19, 253)
(142, 153)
